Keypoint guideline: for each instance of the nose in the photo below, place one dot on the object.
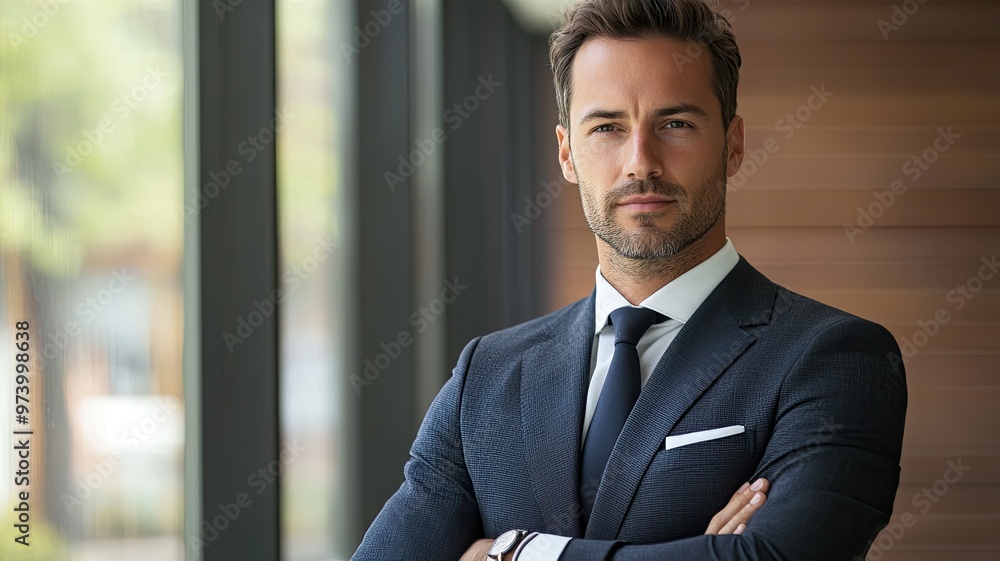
(643, 160)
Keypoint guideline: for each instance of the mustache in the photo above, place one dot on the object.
(653, 185)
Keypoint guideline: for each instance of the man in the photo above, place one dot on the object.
(615, 428)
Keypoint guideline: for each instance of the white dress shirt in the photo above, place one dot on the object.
(678, 300)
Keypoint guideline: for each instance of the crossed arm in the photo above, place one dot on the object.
(832, 491)
(732, 519)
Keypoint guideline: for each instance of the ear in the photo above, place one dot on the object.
(735, 142)
(565, 156)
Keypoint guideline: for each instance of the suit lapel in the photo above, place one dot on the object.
(703, 349)
(554, 377)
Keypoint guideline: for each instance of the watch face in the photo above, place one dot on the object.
(502, 544)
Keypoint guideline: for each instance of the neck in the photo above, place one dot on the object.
(637, 279)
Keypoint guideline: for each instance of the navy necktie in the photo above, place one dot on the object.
(620, 391)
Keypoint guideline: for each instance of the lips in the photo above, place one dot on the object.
(645, 203)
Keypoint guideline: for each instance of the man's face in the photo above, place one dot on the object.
(646, 145)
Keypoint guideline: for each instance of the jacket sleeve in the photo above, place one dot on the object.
(434, 514)
(832, 460)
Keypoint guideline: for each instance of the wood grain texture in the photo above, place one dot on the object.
(891, 100)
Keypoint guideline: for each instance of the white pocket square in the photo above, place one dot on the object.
(701, 436)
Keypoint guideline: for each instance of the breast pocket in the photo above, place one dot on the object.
(696, 437)
(686, 484)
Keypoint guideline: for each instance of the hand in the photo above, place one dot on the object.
(733, 518)
(477, 551)
(730, 520)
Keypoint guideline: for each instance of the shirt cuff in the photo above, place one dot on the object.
(543, 547)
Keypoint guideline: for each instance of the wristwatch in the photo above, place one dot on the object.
(505, 543)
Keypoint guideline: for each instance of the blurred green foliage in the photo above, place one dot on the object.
(67, 69)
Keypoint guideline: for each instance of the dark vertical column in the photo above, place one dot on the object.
(236, 210)
(490, 169)
(385, 259)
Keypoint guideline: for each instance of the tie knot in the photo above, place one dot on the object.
(631, 323)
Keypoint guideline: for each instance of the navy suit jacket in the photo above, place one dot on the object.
(821, 394)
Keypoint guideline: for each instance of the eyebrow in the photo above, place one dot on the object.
(683, 108)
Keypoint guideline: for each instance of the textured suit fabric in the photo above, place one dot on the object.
(822, 395)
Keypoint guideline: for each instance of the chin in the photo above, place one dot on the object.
(647, 223)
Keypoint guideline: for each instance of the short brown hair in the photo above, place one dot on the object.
(633, 19)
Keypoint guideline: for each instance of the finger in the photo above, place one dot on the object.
(759, 486)
(747, 490)
(739, 529)
(739, 500)
(744, 515)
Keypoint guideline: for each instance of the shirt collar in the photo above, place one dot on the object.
(679, 298)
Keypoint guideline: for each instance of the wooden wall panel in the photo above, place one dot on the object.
(787, 215)
(798, 207)
(829, 173)
(864, 109)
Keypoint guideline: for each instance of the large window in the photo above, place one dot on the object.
(167, 169)
(313, 156)
(91, 247)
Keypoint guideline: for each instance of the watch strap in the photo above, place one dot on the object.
(524, 541)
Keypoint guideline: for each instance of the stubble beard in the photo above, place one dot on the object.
(647, 242)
